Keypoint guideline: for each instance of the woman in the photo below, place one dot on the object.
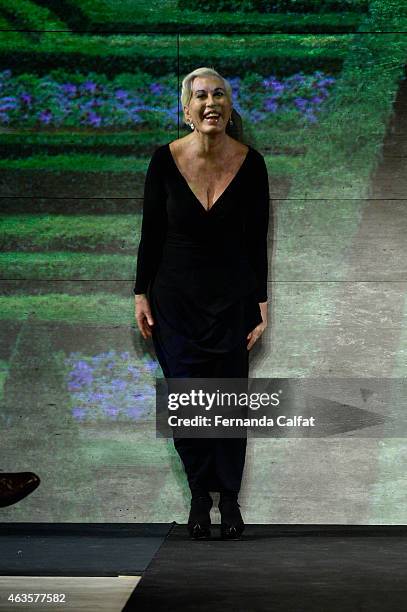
(201, 281)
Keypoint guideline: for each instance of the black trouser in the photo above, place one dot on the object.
(214, 464)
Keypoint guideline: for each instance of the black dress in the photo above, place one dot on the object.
(204, 273)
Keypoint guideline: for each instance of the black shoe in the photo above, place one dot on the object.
(232, 525)
(199, 520)
(16, 485)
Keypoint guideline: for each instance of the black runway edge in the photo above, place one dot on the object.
(79, 549)
(279, 568)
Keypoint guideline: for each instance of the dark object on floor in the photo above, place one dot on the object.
(232, 525)
(79, 549)
(279, 568)
(199, 521)
(16, 486)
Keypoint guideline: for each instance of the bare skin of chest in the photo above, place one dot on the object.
(209, 181)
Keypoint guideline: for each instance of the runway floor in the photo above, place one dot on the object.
(84, 567)
(273, 568)
(276, 568)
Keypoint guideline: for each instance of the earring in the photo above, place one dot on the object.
(191, 125)
(230, 121)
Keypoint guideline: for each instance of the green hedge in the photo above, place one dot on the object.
(29, 16)
(6, 24)
(157, 55)
(211, 23)
(25, 143)
(81, 16)
(139, 17)
(86, 233)
(277, 6)
(70, 12)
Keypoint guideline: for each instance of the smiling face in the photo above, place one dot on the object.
(209, 108)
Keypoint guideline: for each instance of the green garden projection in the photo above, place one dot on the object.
(87, 93)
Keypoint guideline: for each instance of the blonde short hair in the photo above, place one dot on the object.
(186, 91)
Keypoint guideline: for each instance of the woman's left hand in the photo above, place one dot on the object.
(255, 334)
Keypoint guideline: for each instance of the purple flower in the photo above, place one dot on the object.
(8, 103)
(300, 78)
(311, 117)
(134, 412)
(110, 380)
(97, 397)
(274, 84)
(156, 88)
(45, 116)
(256, 116)
(94, 119)
(326, 81)
(78, 412)
(323, 91)
(122, 94)
(118, 384)
(301, 102)
(111, 410)
(26, 98)
(151, 366)
(271, 105)
(69, 89)
(135, 117)
(89, 86)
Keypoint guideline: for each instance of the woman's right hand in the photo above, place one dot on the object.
(144, 318)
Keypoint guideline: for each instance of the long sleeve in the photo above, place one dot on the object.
(257, 227)
(154, 224)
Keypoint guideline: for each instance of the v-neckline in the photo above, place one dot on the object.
(205, 210)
